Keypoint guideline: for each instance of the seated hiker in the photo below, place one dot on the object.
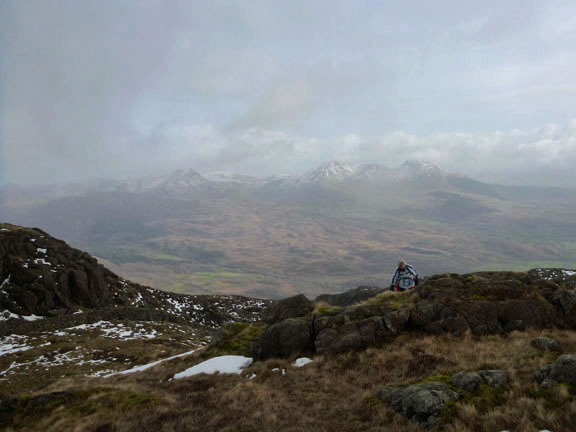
(405, 277)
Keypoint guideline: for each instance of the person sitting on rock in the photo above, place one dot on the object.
(405, 277)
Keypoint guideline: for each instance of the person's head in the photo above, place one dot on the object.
(402, 264)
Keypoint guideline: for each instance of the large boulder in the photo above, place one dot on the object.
(351, 336)
(291, 307)
(565, 303)
(424, 403)
(563, 370)
(467, 381)
(292, 337)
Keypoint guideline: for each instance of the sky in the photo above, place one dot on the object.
(123, 88)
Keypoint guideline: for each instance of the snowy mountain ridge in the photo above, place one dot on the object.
(183, 182)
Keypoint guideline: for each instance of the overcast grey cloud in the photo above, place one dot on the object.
(117, 88)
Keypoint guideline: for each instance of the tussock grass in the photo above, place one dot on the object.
(393, 298)
(321, 308)
(337, 393)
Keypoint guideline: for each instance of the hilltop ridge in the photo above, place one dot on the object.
(43, 277)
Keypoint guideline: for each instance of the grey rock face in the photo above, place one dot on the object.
(351, 336)
(563, 370)
(288, 338)
(291, 307)
(467, 381)
(471, 381)
(494, 378)
(542, 373)
(545, 344)
(423, 403)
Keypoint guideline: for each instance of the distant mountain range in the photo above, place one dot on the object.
(335, 227)
(184, 182)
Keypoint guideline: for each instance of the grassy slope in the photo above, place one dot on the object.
(333, 393)
(74, 353)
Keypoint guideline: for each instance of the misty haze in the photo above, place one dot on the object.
(243, 187)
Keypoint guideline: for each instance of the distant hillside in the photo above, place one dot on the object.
(42, 277)
(336, 227)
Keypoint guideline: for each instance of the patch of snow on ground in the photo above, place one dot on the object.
(58, 359)
(138, 299)
(13, 343)
(5, 282)
(42, 261)
(177, 305)
(224, 364)
(149, 365)
(32, 317)
(103, 372)
(569, 272)
(118, 331)
(302, 361)
(41, 250)
(6, 315)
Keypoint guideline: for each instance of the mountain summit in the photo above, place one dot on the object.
(333, 171)
(181, 182)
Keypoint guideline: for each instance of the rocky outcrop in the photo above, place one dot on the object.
(479, 303)
(41, 276)
(424, 403)
(563, 277)
(484, 303)
(44, 276)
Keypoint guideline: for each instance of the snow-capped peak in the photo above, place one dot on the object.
(333, 171)
(422, 168)
(182, 181)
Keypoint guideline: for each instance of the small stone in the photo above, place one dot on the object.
(545, 343)
(542, 373)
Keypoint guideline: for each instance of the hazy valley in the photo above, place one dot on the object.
(334, 228)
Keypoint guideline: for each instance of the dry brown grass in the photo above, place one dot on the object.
(336, 393)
